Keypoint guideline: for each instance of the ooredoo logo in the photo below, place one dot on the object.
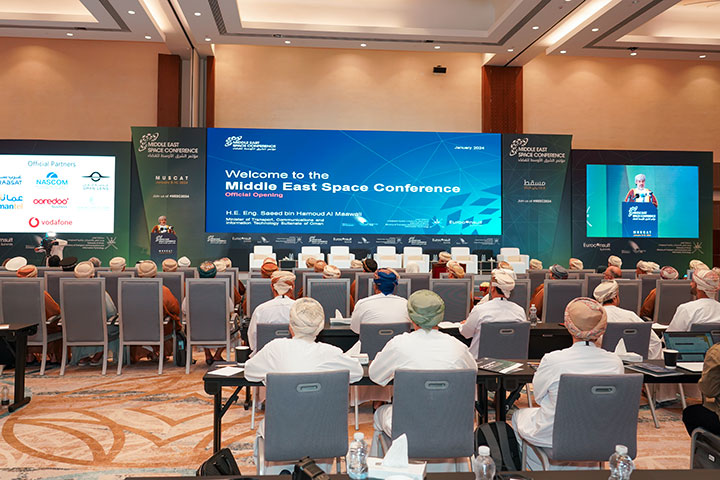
(50, 201)
(34, 222)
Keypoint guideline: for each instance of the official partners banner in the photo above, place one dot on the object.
(168, 179)
(536, 196)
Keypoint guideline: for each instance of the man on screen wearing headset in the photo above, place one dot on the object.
(640, 193)
(162, 226)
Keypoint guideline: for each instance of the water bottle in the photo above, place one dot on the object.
(5, 396)
(621, 465)
(357, 467)
(483, 464)
(533, 315)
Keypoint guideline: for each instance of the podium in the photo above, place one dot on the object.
(639, 219)
(162, 246)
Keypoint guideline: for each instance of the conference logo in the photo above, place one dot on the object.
(236, 142)
(517, 144)
(11, 180)
(146, 140)
(51, 180)
(632, 211)
(95, 176)
(11, 202)
(52, 202)
(232, 141)
(171, 179)
(533, 185)
(213, 240)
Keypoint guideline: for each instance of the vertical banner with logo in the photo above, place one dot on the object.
(168, 180)
(536, 196)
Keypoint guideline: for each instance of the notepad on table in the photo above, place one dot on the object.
(226, 371)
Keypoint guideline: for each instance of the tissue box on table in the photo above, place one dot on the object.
(414, 470)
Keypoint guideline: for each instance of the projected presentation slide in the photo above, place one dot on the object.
(57, 193)
(642, 201)
(365, 182)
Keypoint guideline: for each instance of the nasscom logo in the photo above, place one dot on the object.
(51, 179)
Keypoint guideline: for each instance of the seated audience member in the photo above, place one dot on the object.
(300, 354)
(171, 310)
(221, 266)
(276, 310)
(614, 261)
(698, 265)
(228, 264)
(497, 309)
(455, 270)
(706, 309)
(586, 321)
(557, 272)
(536, 264)
(412, 267)
(441, 265)
(14, 264)
(268, 267)
(369, 266)
(95, 262)
(383, 306)
(612, 272)
(643, 268)
(310, 262)
(356, 264)
(183, 262)
(52, 309)
(331, 271)
(208, 270)
(93, 354)
(53, 261)
(648, 306)
(707, 415)
(608, 294)
(68, 264)
(318, 267)
(576, 264)
(117, 264)
(426, 348)
(169, 265)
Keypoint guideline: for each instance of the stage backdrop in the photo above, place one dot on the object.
(666, 217)
(64, 187)
(536, 196)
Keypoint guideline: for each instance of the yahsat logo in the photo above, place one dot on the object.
(51, 179)
(516, 144)
(146, 139)
(230, 141)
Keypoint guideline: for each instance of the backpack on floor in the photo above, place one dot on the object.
(504, 448)
(180, 348)
(706, 450)
(222, 463)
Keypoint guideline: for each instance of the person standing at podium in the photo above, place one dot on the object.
(640, 193)
(162, 226)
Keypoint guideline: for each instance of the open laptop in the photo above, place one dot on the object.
(691, 347)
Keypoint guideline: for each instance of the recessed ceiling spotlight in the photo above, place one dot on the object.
(287, 42)
(633, 51)
(69, 34)
(197, 14)
(632, 54)
(148, 37)
(363, 44)
(703, 56)
(563, 52)
(131, 12)
(536, 27)
(511, 49)
(437, 47)
(595, 29)
(208, 39)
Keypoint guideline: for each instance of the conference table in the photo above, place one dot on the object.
(506, 386)
(18, 333)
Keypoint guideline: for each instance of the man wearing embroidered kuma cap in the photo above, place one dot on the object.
(455, 270)
(706, 309)
(498, 309)
(648, 306)
(536, 264)
(557, 272)
(586, 321)
(276, 310)
(608, 294)
(426, 348)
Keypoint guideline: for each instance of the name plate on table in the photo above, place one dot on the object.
(639, 219)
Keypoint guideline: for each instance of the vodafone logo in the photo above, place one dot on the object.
(50, 201)
(34, 222)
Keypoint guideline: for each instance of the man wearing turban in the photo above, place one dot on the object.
(318, 267)
(575, 264)
(536, 264)
(614, 261)
(221, 266)
(608, 294)
(441, 265)
(369, 266)
(455, 270)
(586, 321)
(648, 306)
(426, 348)
(276, 310)
(706, 309)
(117, 264)
(497, 309)
(643, 268)
(299, 354)
(557, 272)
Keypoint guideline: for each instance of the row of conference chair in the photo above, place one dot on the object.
(140, 313)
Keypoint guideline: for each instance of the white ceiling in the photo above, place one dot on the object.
(512, 32)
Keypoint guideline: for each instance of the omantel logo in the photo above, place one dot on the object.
(34, 222)
(145, 140)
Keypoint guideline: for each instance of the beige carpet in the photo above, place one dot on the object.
(86, 426)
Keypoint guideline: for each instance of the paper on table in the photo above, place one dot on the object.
(397, 454)
(659, 326)
(449, 325)
(226, 371)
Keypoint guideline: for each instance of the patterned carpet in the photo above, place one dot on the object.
(86, 426)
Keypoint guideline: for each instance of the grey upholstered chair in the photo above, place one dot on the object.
(509, 340)
(457, 295)
(521, 293)
(557, 294)
(175, 282)
(257, 291)
(266, 333)
(635, 335)
(208, 314)
(669, 295)
(592, 280)
(630, 294)
(649, 282)
(322, 429)
(111, 282)
(140, 315)
(362, 289)
(52, 283)
(402, 289)
(614, 402)
(629, 273)
(537, 277)
(332, 293)
(418, 281)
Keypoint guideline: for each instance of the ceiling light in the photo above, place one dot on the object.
(632, 54)
(633, 51)
(703, 56)
(208, 39)
(197, 14)
(363, 44)
(437, 47)
(563, 52)
(287, 42)
(148, 37)
(536, 27)
(511, 49)
(131, 12)
(595, 29)
(69, 34)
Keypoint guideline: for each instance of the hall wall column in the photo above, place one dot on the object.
(502, 99)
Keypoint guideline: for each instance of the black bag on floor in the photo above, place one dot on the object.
(706, 450)
(222, 463)
(180, 348)
(504, 449)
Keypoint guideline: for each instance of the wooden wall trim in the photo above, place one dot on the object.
(210, 93)
(169, 90)
(502, 99)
